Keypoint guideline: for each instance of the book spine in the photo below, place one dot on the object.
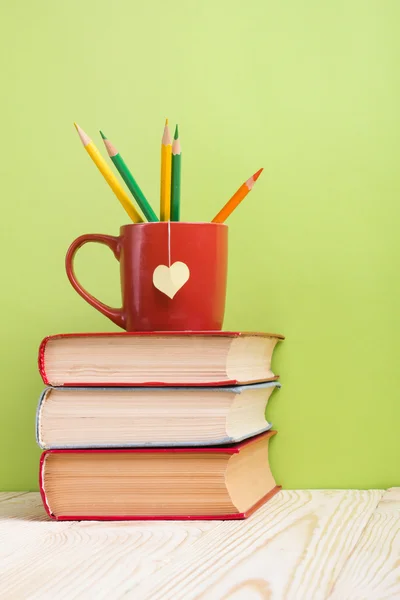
(41, 485)
(38, 413)
(41, 361)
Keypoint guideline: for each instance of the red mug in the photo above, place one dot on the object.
(198, 304)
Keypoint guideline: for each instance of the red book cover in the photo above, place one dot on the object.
(231, 334)
(231, 449)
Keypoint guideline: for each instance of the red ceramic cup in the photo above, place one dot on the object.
(140, 248)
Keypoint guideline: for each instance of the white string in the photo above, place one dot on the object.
(169, 243)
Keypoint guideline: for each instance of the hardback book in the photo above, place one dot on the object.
(158, 358)
(146, 416)
(223, 482)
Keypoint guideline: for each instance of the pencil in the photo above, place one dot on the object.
(108, 175)
(166, 159)
(176, 177)
(236, 198)
(129, 180)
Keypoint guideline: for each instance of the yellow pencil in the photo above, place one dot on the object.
(166, 166)
(108, 175)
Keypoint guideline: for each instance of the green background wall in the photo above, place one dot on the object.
(308, 89)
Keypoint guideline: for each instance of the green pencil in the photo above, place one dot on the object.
(176, 177)
(129, 180)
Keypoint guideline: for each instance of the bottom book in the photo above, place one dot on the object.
(224, 482)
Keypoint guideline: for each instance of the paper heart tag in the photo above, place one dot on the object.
(169, 280)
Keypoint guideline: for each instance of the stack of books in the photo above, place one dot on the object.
(155, 425)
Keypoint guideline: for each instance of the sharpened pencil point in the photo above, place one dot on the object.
(176, 133)
(102, 135)
(111, 149)
(85, 139)
(257, 175)
(166, 138)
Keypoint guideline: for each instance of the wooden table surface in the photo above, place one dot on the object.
(311, 545)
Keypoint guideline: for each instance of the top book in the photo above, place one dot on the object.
(157, 358)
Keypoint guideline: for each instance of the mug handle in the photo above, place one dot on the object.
(116, 315)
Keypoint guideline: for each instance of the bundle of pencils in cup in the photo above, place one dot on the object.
(170, 188)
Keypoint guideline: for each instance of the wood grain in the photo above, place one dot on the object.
(23, 523)
(25, 506)
(294, 547)
(341, 544)
(373, 570)
(5, 496)
(48, 559)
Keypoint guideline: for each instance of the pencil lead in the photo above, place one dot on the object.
(102, 135)
(257, 175)
(85, 139)
(176, 133)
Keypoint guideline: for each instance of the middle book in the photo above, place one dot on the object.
(99, 417)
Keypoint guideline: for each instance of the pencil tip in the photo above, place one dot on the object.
(176, 133)
(102, 135)
(111, 150)
(166, 138)
(257, 175)
(85, 139)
